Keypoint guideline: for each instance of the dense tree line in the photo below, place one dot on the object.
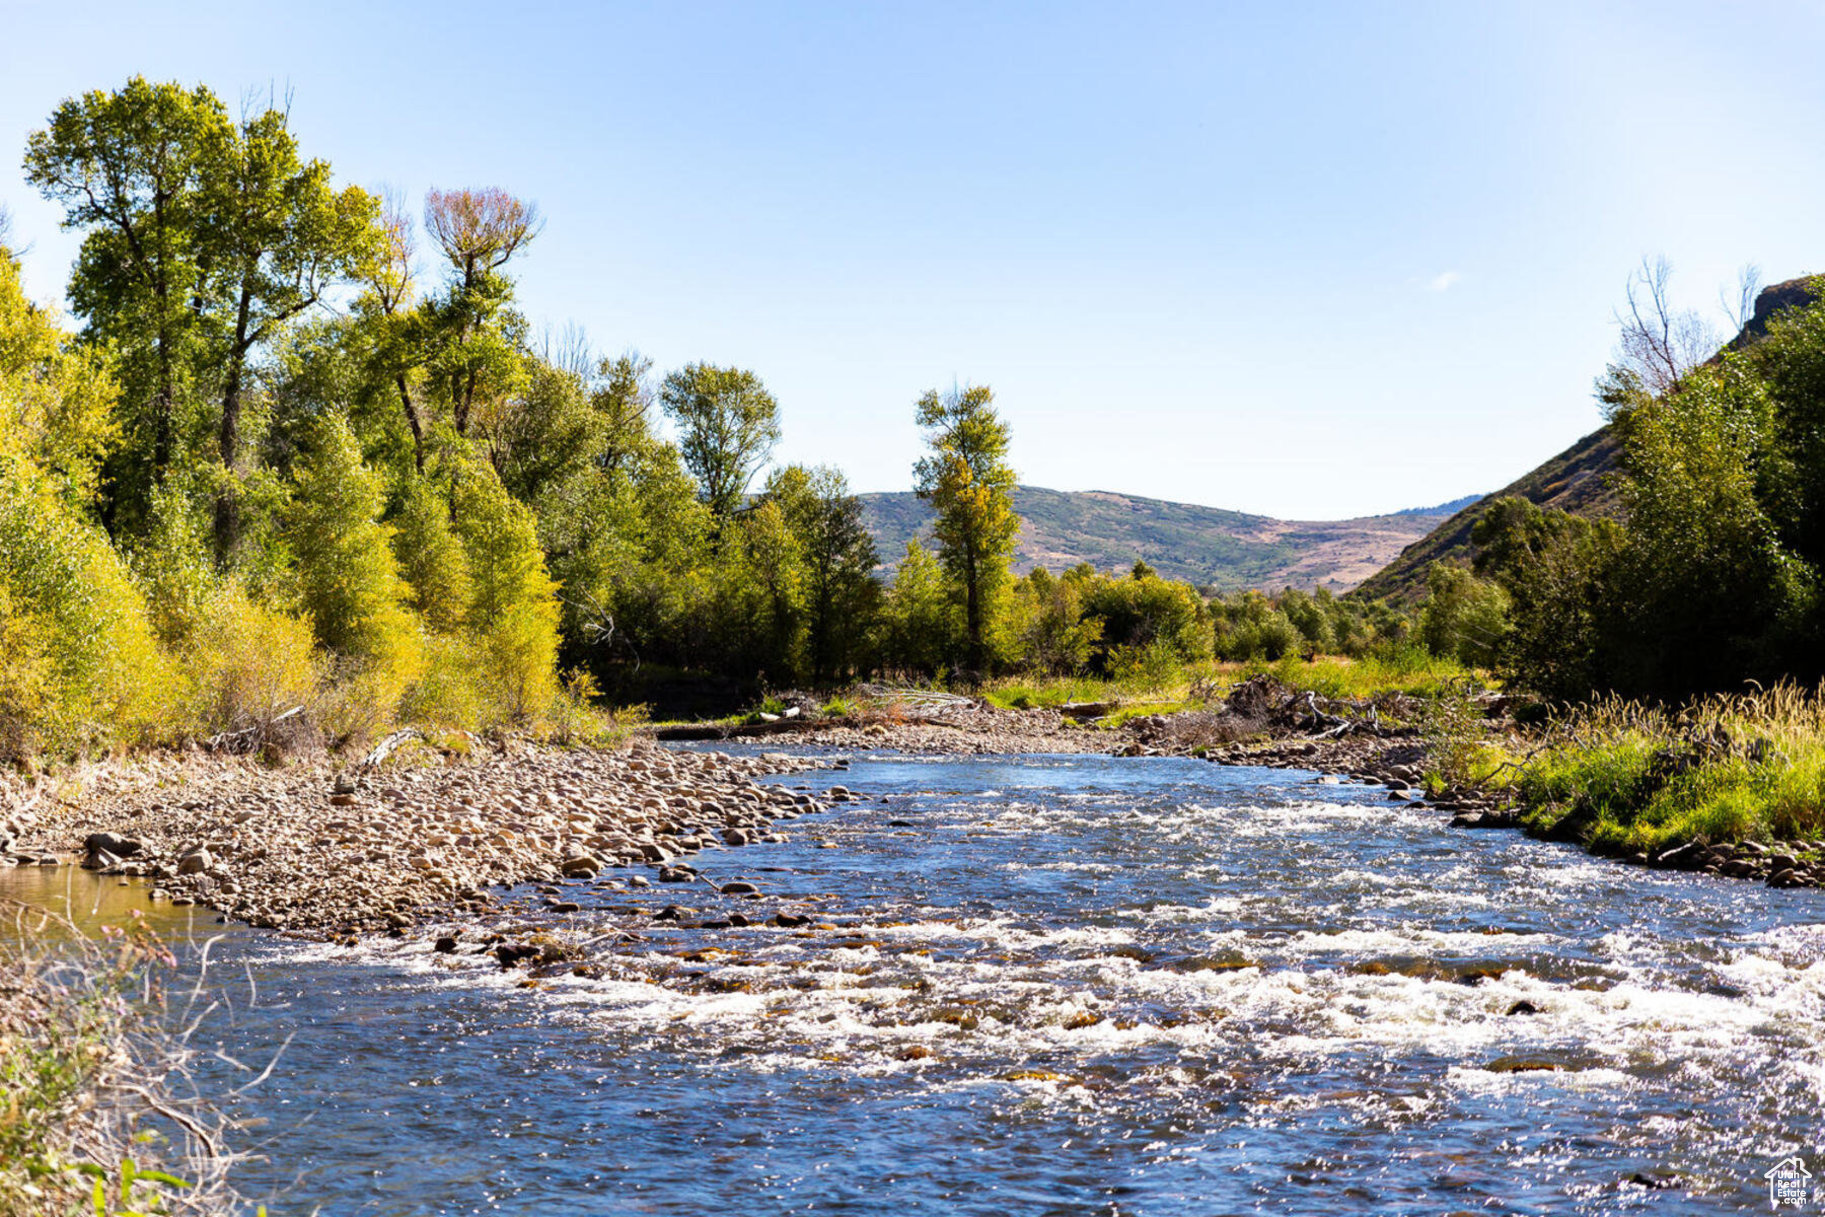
(306, 449)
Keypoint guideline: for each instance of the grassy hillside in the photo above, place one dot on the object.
(1205, 545)
(1577, 480)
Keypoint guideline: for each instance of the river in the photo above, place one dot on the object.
(1055, 985)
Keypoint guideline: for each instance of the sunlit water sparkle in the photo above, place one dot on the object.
(1057, 985)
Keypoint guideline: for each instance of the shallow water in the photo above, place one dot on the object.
(1061, 985)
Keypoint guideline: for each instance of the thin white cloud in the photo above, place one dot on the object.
(1443, 282)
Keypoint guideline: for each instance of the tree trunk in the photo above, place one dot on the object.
(227, 506)
(418, 431)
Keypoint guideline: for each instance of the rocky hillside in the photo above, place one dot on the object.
(1578, 480)
(1229, 550)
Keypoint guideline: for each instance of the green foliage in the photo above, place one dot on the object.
(513, 608)
(920, 626)
(89, 668)
(56, 398)
(837, 558)
(1558, 570)
(727, 424)
(1464, 617)
(247, 663)
(969, 483)
(759, 600)
(431, 558)
(348, 579)
(1054, 634)
(1146, 620)
(203, 239)
(1716, 576)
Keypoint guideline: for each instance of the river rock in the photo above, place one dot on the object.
(120, 847)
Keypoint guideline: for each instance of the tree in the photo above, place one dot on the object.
(478, 232)
(204, 238)
(919, 625)
(278, 236)
(126, 167)
(841, 595)
(393, 329)
(970, 485)
(1055, 635)
(1659, 344)
(728, 426)
(1464, 617)
(513, 607)
(347, 574)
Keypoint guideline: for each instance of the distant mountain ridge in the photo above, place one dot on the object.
(1229, 550)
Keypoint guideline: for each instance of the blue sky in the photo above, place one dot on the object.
(1310, 261)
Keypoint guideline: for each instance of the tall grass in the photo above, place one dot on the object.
(1620, 776)
(95, 1113)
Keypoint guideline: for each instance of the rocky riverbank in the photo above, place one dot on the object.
(307, 848)
(961, 727)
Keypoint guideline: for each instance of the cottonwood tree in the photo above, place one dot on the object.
(728, 425)
(125, 166)
(841, 595)
(205, 237)
(278, 236)
(478, 232)
(970, 485)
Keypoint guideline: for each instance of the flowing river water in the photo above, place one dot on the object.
(1057, 985)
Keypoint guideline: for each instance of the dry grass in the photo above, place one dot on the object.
(97, 1114)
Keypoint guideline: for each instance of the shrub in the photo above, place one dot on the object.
(513, 608)
(249, 663)
(88, 669)
(447, 692)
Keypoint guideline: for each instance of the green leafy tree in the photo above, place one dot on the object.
(204, 239)
(431, 558)
(728, 425)
(1144, 611)
(348, 578)
(1464, 617)
(1055, 634)
(278, 236)
(126, 166)
(919, 624)
(513, 608)
(968, 482)
(841, 593)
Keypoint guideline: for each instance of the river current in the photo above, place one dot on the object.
(1057, 985)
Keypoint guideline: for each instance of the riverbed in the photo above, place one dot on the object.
(1048, 985)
